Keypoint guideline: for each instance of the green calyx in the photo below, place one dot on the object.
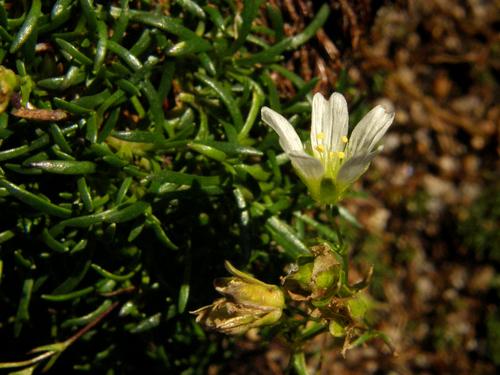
(8, 83)
(316, 277)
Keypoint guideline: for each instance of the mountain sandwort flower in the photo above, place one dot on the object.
(333, 161)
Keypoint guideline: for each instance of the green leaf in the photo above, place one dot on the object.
(117, 214)
(23, 315)
(25, 371)
(65, 166)
(33, 200)
(179, 178)
(345, 214)
(250, 9)
(286, 237)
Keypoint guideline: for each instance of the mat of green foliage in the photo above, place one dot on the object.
(143, 167)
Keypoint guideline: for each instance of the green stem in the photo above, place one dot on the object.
(28, 362)
(334, 212)
(299, 363)
(311, 331)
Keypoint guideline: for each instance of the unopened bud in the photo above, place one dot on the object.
(247, 303)
(246, 289)
(336, 328)
(357, 306)
(302, 276)
(316, 276)
(233, 318)
(8, 82)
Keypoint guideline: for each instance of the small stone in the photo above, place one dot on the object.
(448, 165)
(481, 279)
(440, 188)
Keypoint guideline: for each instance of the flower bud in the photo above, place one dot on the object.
(247, 290)
(8, 82)
(337, 328)
(233, 318)
(358, 306)
(316, 277)
(303, 275)
(247, 303)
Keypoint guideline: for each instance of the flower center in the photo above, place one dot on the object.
(330, 159)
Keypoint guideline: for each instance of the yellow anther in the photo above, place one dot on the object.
(344, 139)
(331, 154)
(341, 155)
(320, 148)
(320, 136)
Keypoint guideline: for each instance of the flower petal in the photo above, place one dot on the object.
(340, 121)
(369, 131)
(355, 167)
(330, 122)
(320, 116)
(306, 165)
(289, 139)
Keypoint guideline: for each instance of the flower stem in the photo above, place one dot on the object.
(299, 363)
(334, 212)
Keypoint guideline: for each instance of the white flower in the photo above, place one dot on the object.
(333, 161)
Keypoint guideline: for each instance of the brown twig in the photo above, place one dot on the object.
(117, 292)
(92, 324)
(353, 22)
(65, 344)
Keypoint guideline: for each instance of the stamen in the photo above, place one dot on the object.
(344, 139)
(320, 136)
(320, 148)
(341, 154)
(331, 154)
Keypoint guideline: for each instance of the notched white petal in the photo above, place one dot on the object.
(339, 122)
(386, 121)
(355, 167)
(308, 166)
(289, 139)
(370, 130)
(319, 108)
